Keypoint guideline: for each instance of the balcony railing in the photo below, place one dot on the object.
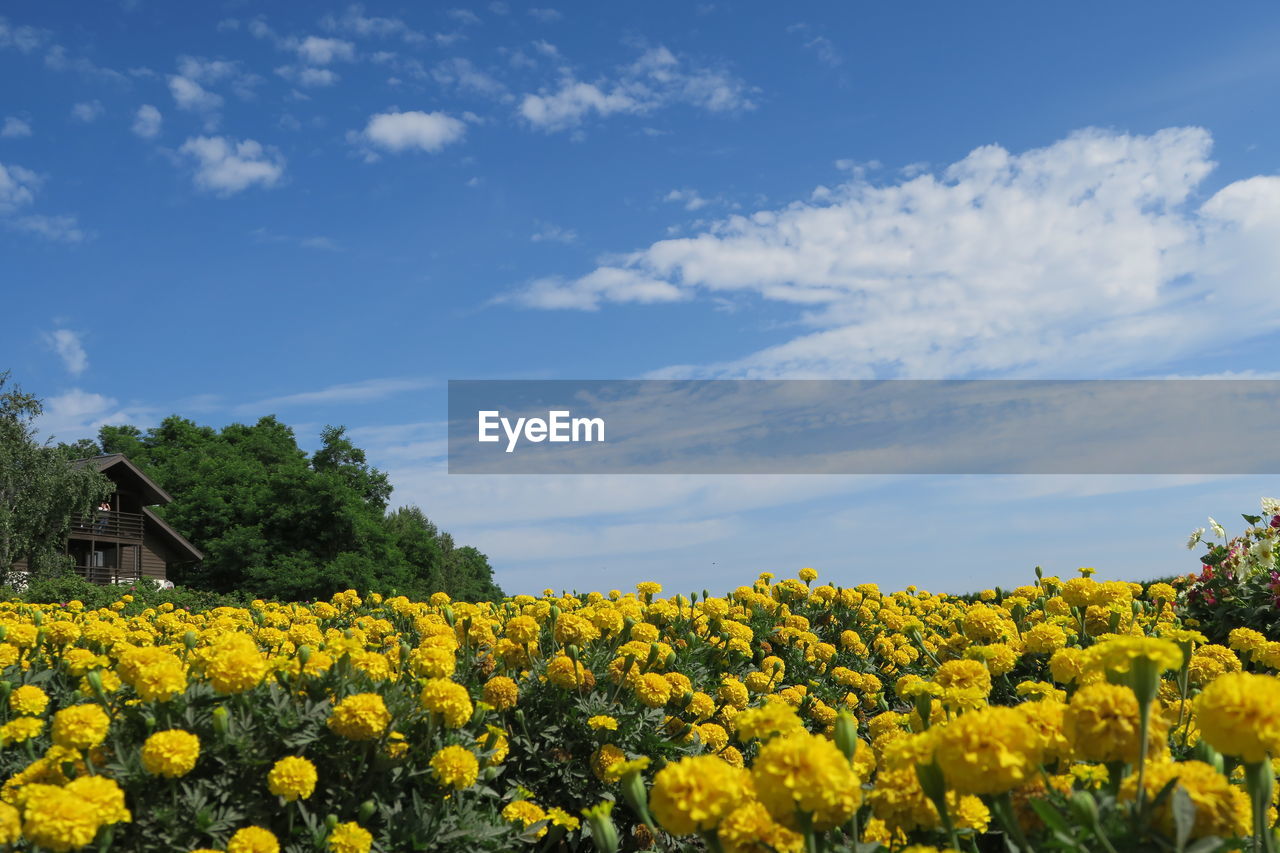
(107, 525)
(107, 574)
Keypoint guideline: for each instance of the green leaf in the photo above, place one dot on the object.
(1051, 816)
(1252, 519)
(1209, 844)
(1184, 817)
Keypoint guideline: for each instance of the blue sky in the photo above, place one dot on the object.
(326, 212)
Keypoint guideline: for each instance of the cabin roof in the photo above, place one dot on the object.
(176, 539)
(122, 471)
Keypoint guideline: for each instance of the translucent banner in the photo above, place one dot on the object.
(864, 427)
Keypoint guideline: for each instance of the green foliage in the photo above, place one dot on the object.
(275, 523)
(63, 589)
(39, 490)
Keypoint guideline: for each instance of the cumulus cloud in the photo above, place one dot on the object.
(14, 128)
(550, 233)
(657, 79)
(80, 414)
(225, 166)
(87, 111)
(17, 187)
(1087, 257)
(315, 50)
(147, 121)
(406, 131)
(190, 95)
(23, 39)
(67, 344)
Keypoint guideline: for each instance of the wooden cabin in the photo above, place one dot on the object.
(126, 541)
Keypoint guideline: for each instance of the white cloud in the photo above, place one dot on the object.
(23, 38)
(207, 71)
(546, 16)
(225, 166)
(352, 392)
(463, 16)
(549, 233)
(657, 79)
(315, 50)
(689, 198)
(466, 77)
(403, 131)
(70, 349)
(147, 121)
(17, 187)
(1087, 257)
(190, 95)
(80, 414)
(606, 284)
(308, 77)
(15, 128)
(355, 22)
(87, 111)
(64, 229)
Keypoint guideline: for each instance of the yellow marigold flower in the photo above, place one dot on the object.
(1239, 714)
(769, 719)
(10, 824)
(733, 692)
(350, 837)
(1044, 639)
(155, 674)
(293, 778)
(1046, 718)
(455, 767)
(448, 699)
(526, 813)
(750, 828)
(80, 726)
(233, 664)
(988, 751)
(801, 772)
(561, 818)
(653, 690)
(1119, 653)
(694, 794)
(1210, 661)
(648, 589)
(713, 735)
(522, 629)
(603, 761)
(253, 839)
(58, 819)
(28, 699)
(432, 662)
(21, 729)
(732, 755)
(569, 674)
(363, 716)
(1246, 640)
(170, 753)
(1221, 809)
(104, 795)
(1066, 665)
(807, 575)
(603, 722)
(501, 692)
(1101, 723)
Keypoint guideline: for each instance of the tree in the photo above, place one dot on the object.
(273, 522)
(39, 489)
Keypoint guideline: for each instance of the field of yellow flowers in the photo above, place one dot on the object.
(786, 715)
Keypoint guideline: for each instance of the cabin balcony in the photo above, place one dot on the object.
(112, 525)
(108, 574)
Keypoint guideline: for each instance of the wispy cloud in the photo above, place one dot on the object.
(15, 128)
(353, 392)
(658, 78)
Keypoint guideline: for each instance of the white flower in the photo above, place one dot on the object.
(1270, 506)
(1218, 529)
(1196, 536)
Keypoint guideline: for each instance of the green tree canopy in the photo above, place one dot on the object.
(39, 489)
(281, 524)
